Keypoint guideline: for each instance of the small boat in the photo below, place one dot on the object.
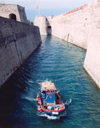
(49, 100)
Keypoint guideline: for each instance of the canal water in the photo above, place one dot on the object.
(62, 63)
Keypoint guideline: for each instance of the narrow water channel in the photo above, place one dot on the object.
(62, 63)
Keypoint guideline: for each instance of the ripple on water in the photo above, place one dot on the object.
(61, 63)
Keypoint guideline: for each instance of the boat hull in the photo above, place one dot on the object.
(50, 101)
(61, 113)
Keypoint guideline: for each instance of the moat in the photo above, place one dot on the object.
(62, 63)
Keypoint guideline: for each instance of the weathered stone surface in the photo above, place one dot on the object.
(41, 22)
(17, 42)
(19, 11)
(72, 27)
(81, 27)
(92, 60)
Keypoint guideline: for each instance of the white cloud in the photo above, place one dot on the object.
(47, 4)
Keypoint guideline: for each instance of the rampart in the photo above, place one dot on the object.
(44, 24)
(13, 11)
(41, 22)
(17, 41)
(81, 27)
(73, 26)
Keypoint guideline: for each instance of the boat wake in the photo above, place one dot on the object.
(42, 114)
(31, 99)
(68, 102)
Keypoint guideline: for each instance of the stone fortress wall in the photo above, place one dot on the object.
(10, 9)
(81, 27)
(92, 60)
(72, 26)
(44, 24)
(41, 22)
(17, 41)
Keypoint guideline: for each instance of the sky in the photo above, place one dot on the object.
(47, 7)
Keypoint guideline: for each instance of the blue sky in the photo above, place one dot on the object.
(47, 7)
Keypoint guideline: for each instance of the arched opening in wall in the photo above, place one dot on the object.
(12, 16)
(49, 29)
